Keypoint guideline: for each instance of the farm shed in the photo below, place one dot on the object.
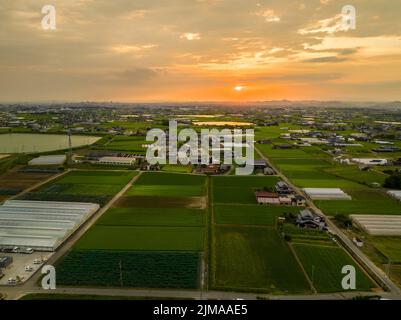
(263, 197)
(371, 162)
(326, 194)
(41, 225)
(379, 225)
(52, 160)
(395, 193)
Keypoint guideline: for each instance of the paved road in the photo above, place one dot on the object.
(198, 295)
(350, 246)
(31, 284)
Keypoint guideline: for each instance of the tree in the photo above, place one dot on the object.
(343, 220)
(393, 181)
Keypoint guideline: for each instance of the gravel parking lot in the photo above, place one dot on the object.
(20, 261)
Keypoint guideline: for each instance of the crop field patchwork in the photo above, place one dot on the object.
(158, 239)
(354, 173)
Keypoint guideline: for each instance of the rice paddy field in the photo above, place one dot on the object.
(248, 253)
(83, 186)
(239, 189)
(324, 263)
(312, 173)
(255, 259)
(134, 144)
(250, 214)
(367, 201)
(149, 238)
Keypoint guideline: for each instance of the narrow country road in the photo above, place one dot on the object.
(350, 246)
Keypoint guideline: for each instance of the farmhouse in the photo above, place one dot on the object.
(308, 219)
(283, 188)
(326, 194)
(259, 164)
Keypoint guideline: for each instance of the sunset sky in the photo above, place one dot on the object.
(200, 50)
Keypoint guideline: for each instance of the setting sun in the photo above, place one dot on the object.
(238, 88)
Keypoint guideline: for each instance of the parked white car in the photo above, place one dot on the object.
(28, 268)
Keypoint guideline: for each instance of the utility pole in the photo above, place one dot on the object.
(313, 275)
(121, 274)
(69, 160)
(388, 268)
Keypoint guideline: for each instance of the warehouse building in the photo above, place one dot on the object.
(326, 194)
(52, 160)
(117, 161)
(41, 225)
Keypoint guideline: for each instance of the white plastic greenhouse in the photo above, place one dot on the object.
(41, 225)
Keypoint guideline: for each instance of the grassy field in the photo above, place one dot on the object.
(167, 190)
(142, 238)
(313, 173)
(255, 259)
(389, 247)
(128, 144)
(250, 214)
(353, 173)
(97, 177)
(176, 168)
(367, 201)
(239, 189)
(324, 265)
(295, 153)
(161, 178)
